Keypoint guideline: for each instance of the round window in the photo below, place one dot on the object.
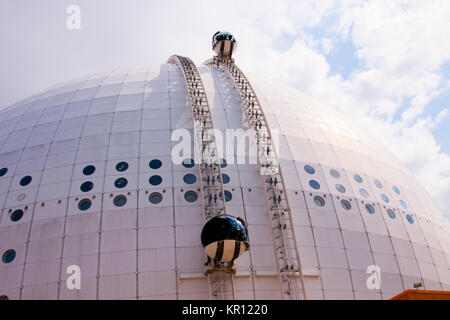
(346, 204)
(188, 163)
(122, 166)
(364, 193)
(228, 195)
(8, 256)
(396, 190)
(403, 204)
(3, 171)
(370, 209)
(25, 180)
(84, 204)
(120, 201)
(340, 188)
(190, 196)
(385, 198)
(16, 215)
(335, 173)
(309, 169)
(155, 180)
(189, 178)
(357, 178)
(391, 213)
(223, 163)
(378, 184)
(121, 183)
(410, 219)
(155, 164)
(86, 186)
(88, 170)
(155, 197)
(314, 184)
(225, 178)
(319, 201)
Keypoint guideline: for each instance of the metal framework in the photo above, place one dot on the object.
(285, 246)
(220, 276)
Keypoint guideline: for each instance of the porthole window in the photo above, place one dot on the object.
(155, 180)
(3, 171)
(225, 178)
(410, 219)
(357, 178)
(188, 163)
(340, 188)
(84, 204)
(120, 201)
(335, 174)
(370, 209)
(8, 256)
(190, 196)
(189, 178)
(122, 166)
(223, 163)
(391, 213)
(155, 197)
(88, 170)
(228, 195)
(155, 164)
(25, 180)
(314, 184)
(319, 201)
(378, 184)
(363, 193)
(385, 198)
(121, 183)
(403, 204)
(86, 186)
(309, 169)
(346, 204)
(396, 190)
(4, 297)
(16, 215)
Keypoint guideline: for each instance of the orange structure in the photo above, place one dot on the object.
(422, 295)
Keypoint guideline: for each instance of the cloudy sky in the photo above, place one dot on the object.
(386, 64)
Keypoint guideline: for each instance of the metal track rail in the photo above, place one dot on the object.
(285, 246)
(220, 278)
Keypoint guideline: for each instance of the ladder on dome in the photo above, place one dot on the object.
(285, 246)
(220, 278)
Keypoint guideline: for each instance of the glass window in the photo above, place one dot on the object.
(391, 213)
(121, 183)
(370, 209)
(86, 186)
(346, 204)
(403, 204)
(25, 181)
(3, 171)
(188, 163)
(309, 169)
(223, 163)
(340, 188)
(8, 256)
(84, 204)
(385, 198)
(155, 164)
(16, 215)
(228, 195)
(190, 196)
(319, 201)
(189, 178)
(225, 178)
(378, 184)
(363, 192)
(120, 201)
(357, 178)
(155, 197)
(335, 173)
(88, 170)
(314, 184)
(122, 166)
(155, 180)
(396, 190)
(410, 219)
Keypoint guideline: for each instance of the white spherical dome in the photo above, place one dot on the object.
(87, 180)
